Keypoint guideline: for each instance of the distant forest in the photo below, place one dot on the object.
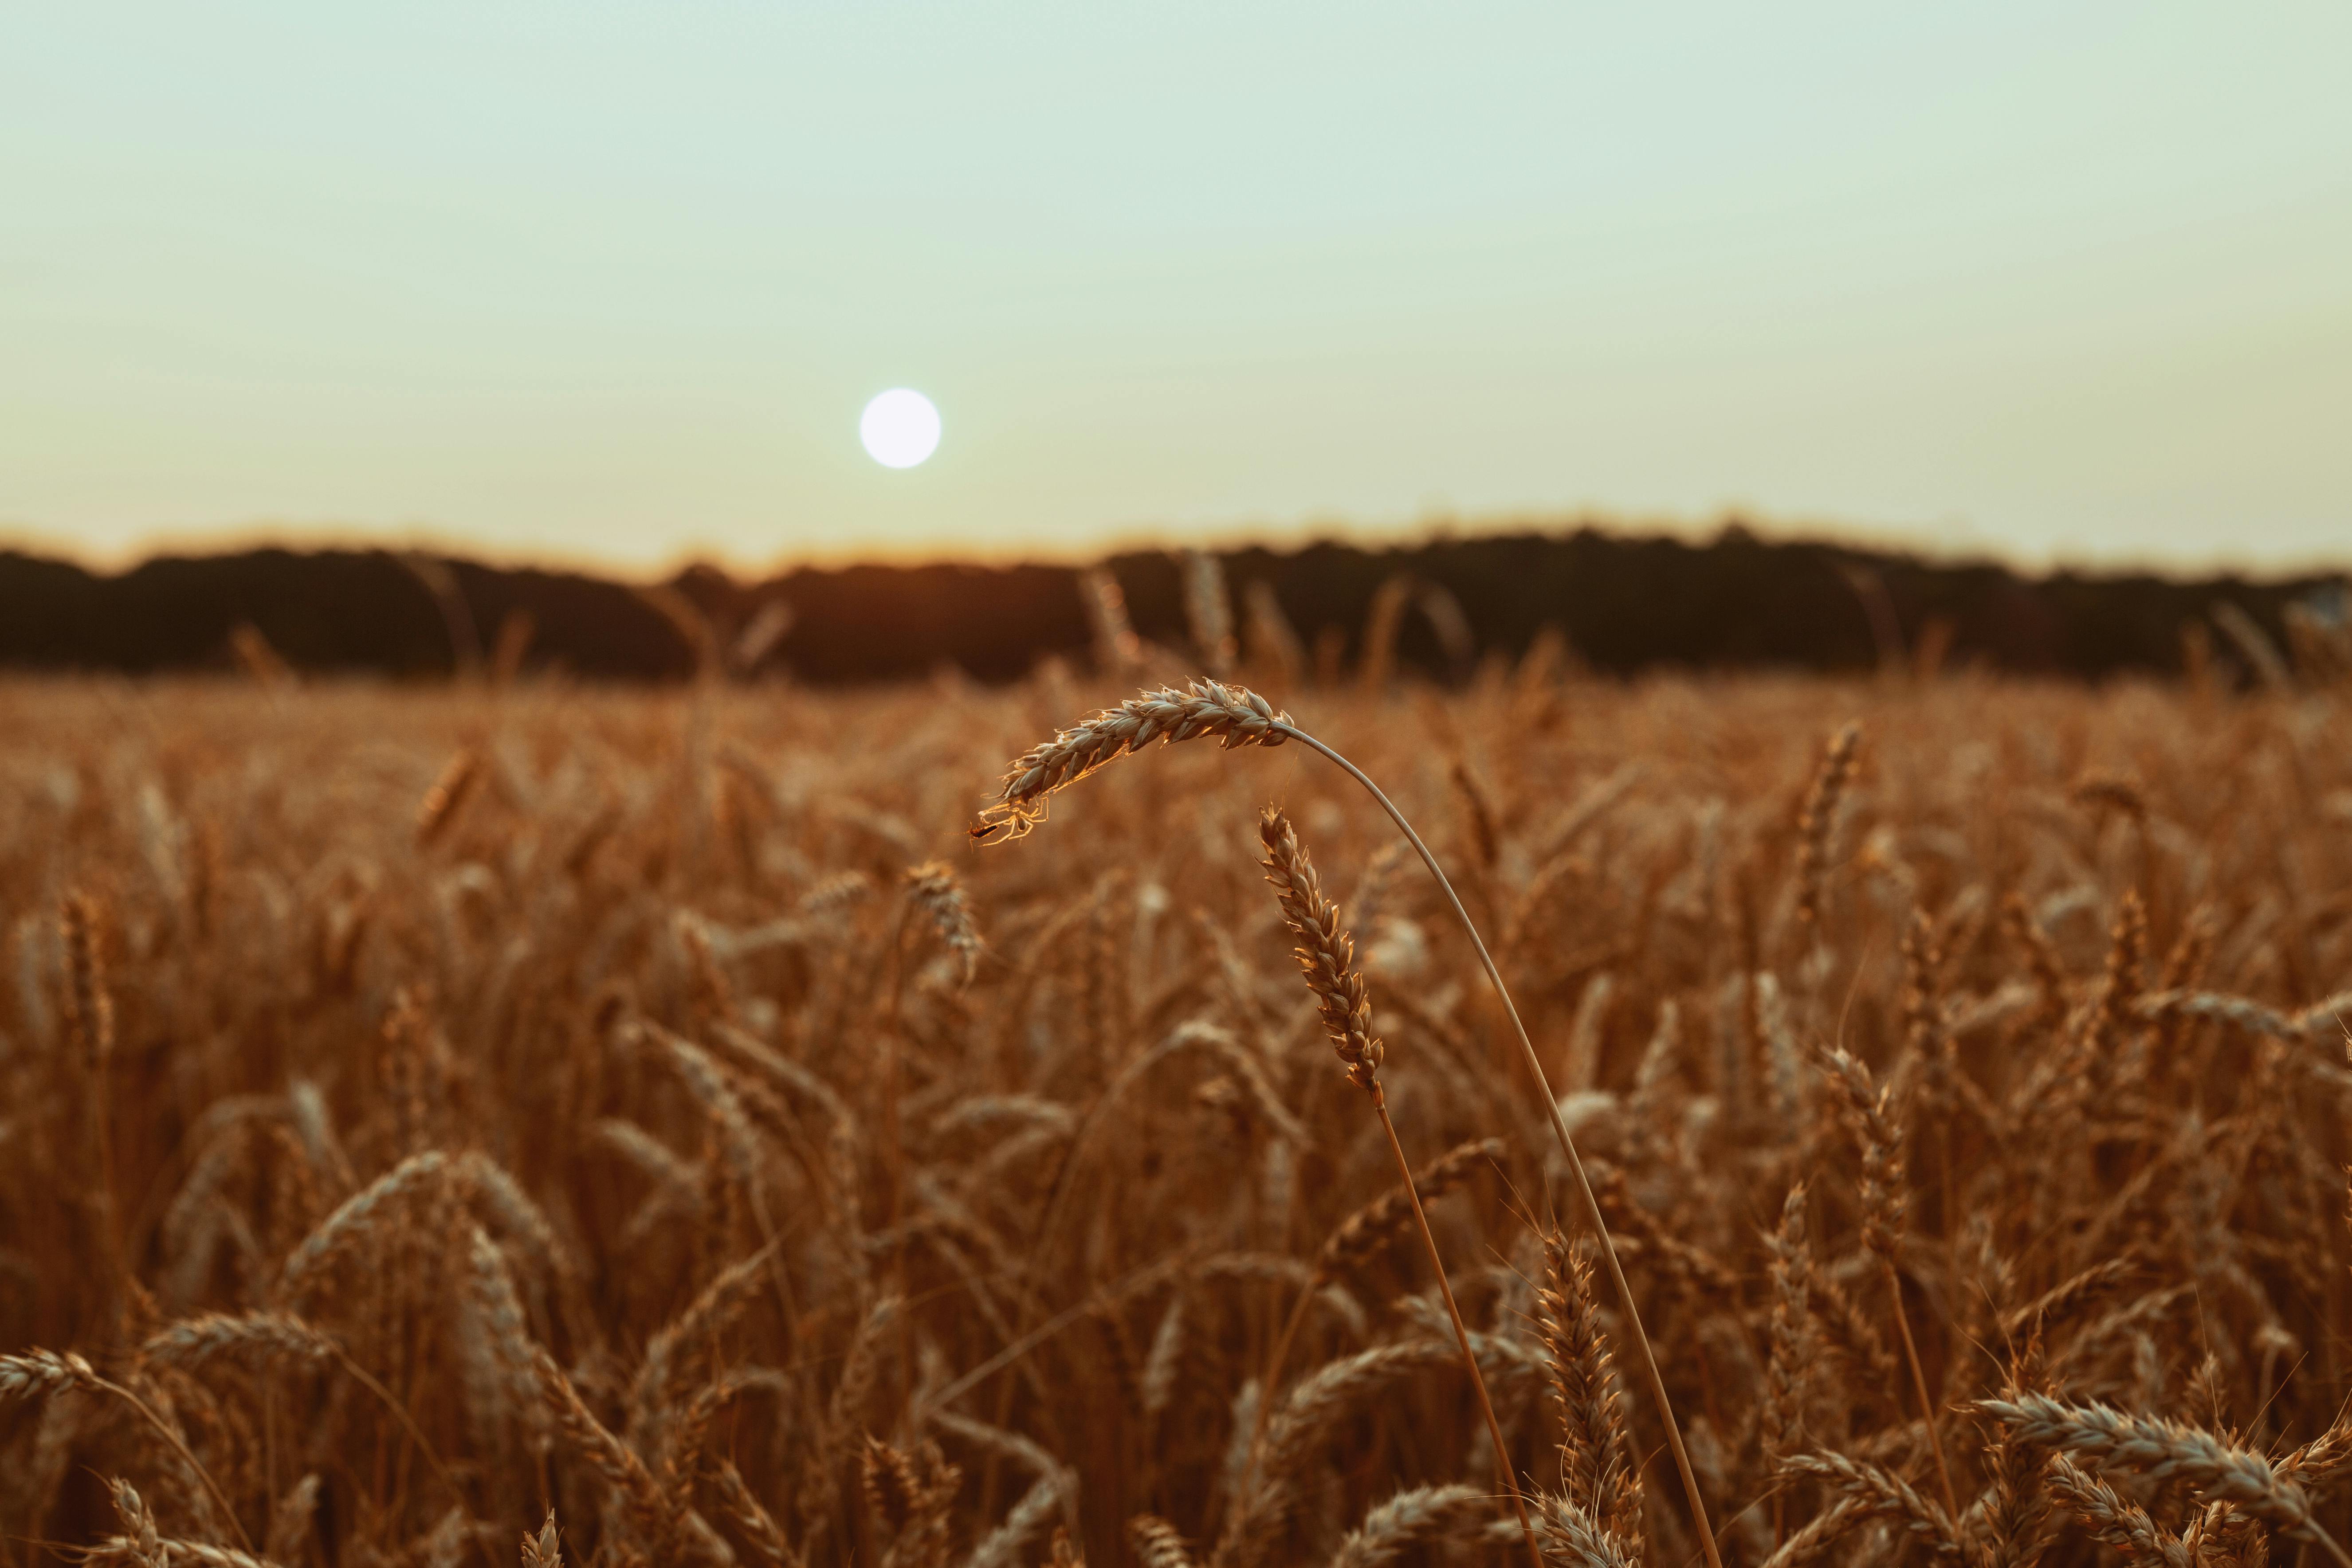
(1624, 605)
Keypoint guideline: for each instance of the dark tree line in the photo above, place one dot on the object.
(1625, 605)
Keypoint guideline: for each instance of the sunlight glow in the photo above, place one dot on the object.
(899, 428)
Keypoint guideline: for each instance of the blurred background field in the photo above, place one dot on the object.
(364, 1042)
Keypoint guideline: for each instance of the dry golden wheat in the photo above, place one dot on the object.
(618, 1171)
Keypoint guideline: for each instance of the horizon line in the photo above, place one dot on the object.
(1278, 537)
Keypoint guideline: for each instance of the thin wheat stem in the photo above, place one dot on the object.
(1281, 1353)
(1590, 1204)
(1920, 1382)
(1327, 961)
(367, 1380)
(1461, 1333)
(163, 1430)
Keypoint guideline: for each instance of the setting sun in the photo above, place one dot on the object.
(900, 428)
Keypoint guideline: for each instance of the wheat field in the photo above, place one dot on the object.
(541, 1123)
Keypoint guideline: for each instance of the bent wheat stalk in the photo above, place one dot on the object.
(1238, 716)
(43, 1372)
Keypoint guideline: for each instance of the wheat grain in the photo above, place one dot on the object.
(543, 1548)
(1117, 647)
(934, 888)
(447, 796)
(1408, 1519)
(2111, 1520)
(1378, 1224)
(1156, 1542)
(1234, 715)
(653, 1518)
(365, 1217)
(1326, 953)
(2099, 1434)
(1880, 1493)
(293, 1521)
(260, 1338)
(674, 1351)
(1574, 1539)
(145, 1541)
(1818, 821)
(39, 1373)
(333, 1248)
(1267, 1489)
(1599, 1473)
(1208, 609)
(752, 1517)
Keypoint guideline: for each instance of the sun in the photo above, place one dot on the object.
(900, 428)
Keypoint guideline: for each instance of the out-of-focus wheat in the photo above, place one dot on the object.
(620, 1153)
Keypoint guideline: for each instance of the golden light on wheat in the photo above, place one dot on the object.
(637, 1127)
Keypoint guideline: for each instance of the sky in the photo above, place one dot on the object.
(609, 284)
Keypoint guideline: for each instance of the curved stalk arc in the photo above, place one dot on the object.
(1590, 1204)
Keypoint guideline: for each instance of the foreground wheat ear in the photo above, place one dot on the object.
(1235, 714)
(1238, 716)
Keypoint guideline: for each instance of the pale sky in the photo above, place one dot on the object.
(610, 282)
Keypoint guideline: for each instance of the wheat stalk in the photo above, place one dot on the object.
(1327, 958)
(38, 1374)
(1240, 717)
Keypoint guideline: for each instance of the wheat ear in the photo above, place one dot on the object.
(1598, 1469)
(2114, 1519)
(1327, 958)
(2099, 1434)
(1241, 716)
(1234, 715)
(1424, 1513)
(143, 1542)
(1367, 1232)
(39, 1373)
(1818, 821)
(1869, 1109)
(1156, 1542)
(934, 888)
(544, 1550)
(89, 1029)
